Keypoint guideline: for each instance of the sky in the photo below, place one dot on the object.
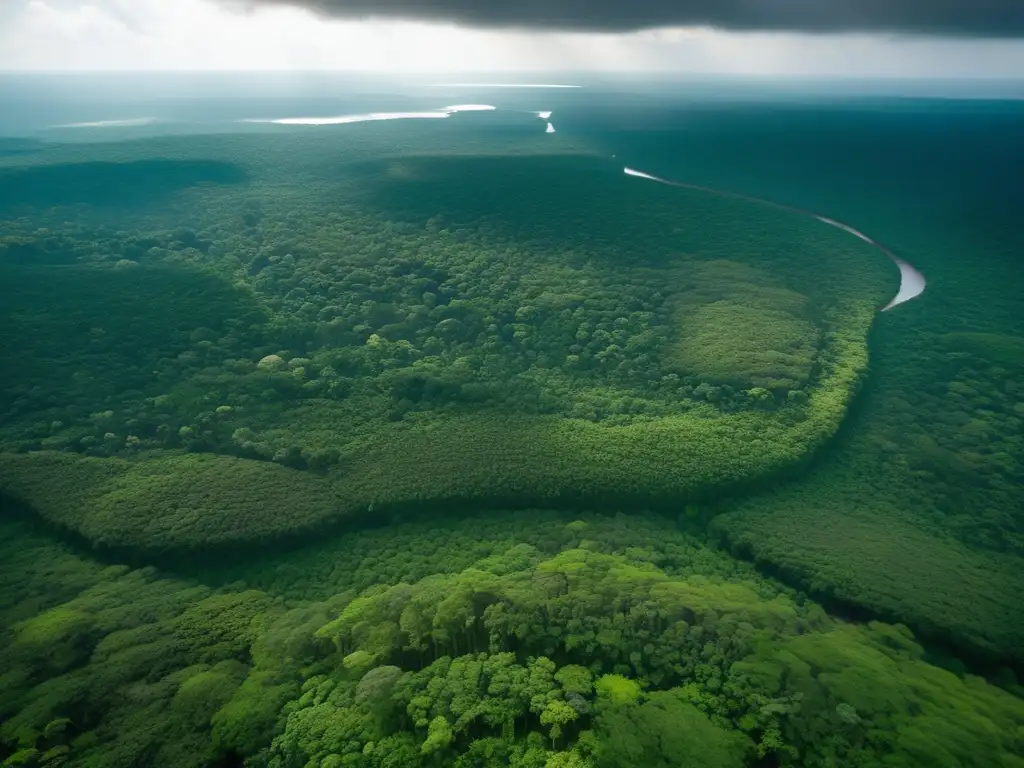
(861, 38)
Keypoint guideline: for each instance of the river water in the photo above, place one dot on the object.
(912, 282)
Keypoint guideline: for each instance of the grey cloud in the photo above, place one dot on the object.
(970, 18)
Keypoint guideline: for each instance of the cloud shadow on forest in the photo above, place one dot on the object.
(531, 200)
(109, 183)
(77, 330)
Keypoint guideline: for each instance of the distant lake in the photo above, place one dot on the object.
(33, 103)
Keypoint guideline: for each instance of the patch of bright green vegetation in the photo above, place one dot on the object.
(735, 327)
(428, 328)
(520, 639)
(168, 502)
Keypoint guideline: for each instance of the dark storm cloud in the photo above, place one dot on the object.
(974, 18)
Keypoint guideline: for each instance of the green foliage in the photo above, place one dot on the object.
(737, 328)
(126, 668)
(202, 694)
(60, 635)
(664, 731)
(617, 690)
(915, 513)
(555, 652)
(439, 736)
(998, 348)
(873, 557)
(168, 501)
(103, 183)
(575, 679)
(852, 680)
(247, 721)
(93, 342)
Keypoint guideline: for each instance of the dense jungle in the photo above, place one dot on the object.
(447, 443)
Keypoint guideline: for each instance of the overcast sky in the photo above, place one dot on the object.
(877, 38)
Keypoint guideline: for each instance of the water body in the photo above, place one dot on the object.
(912, 282)
(501, 85)
(546, 117)
(438, 114)
(132, 123)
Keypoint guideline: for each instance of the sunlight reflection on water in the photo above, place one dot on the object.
(138, 121)
(371, 116)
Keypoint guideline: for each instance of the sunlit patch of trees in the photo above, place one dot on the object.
(584, 643)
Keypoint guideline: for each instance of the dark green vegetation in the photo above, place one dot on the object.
(522, 639)
(230, 353)
(108, 183)
(917, 513)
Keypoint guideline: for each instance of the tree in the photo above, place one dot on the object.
(557, 715)
(665, 732)
(439, 736)
(617, 691)
(570, 759)
(374, 692)
(575, 679)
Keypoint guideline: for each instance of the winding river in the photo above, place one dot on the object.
(912, 282)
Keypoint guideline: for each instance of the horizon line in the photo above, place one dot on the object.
(581, 73)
